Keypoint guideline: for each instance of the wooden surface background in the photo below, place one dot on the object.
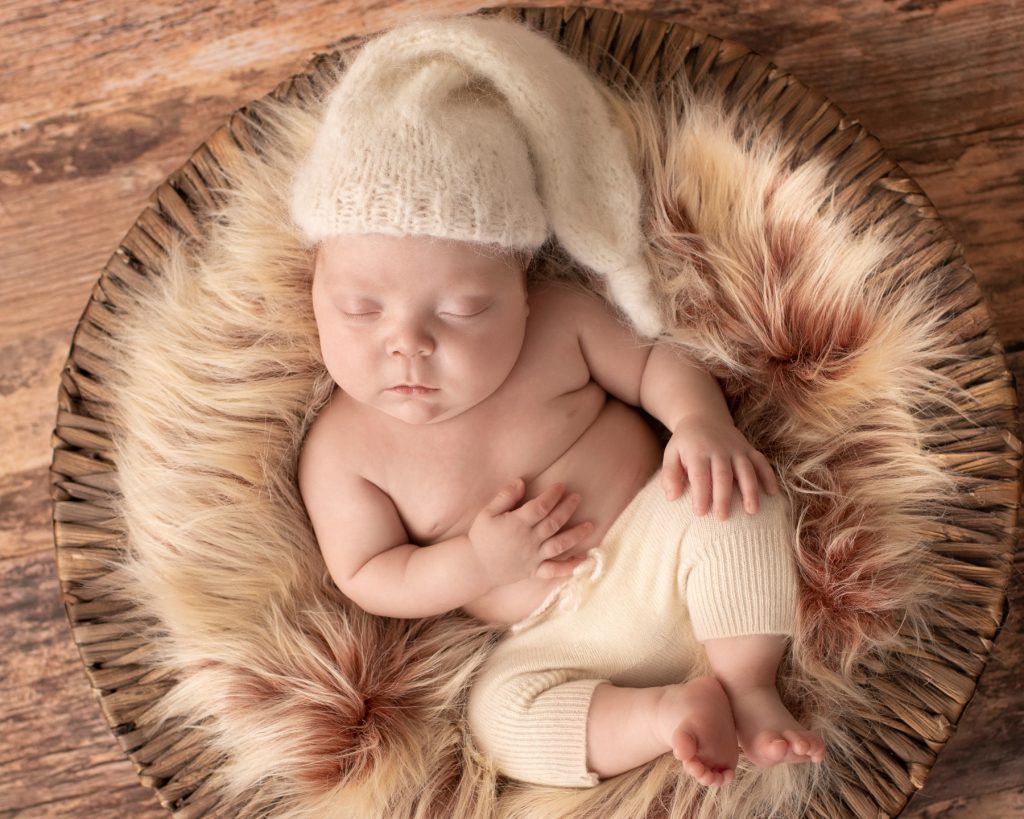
(101, 99)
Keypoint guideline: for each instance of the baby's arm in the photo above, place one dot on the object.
(371, 560)
(706, 448)
(369, 556)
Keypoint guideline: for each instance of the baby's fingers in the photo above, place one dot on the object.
(559, 568)
(534, 511)
(557, 517)
(765, 472)
(698, 471)
(564, 541)
(673, 478)
(508, 496)
(747, 480)
(721, 476)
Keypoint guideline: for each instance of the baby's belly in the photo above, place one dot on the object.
(607, 466)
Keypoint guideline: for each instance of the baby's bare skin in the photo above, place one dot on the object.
(409, 488)
(548, 423)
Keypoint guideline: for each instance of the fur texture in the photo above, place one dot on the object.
(829, 348)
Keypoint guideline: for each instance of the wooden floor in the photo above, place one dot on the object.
(101, 99)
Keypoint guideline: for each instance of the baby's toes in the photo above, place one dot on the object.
(798, 743)
(771, 746)
(805, 746)
(695, 768)
(684, 746)
(818, 750)
(815, 747)
(712, 779)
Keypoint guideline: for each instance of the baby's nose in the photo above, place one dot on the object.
(410, 341)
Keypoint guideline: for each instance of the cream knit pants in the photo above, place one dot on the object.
(634, 614)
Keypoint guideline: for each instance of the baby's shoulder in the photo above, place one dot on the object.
(551, 293)
(566, 300)
(332, 443)
(572, 311)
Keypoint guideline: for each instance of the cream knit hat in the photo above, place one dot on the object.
(478, 129)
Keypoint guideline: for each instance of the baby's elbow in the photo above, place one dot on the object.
(369, 603)
(365, 600)
(381, 606)
(376, 594)
(360, 592)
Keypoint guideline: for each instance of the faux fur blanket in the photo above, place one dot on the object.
(827, 343)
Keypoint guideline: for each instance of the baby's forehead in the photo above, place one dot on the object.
(380, 263)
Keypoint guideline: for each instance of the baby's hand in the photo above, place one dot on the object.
(709, 453)
(514, 544)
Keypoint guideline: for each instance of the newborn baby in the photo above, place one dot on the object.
(483, 440)
(482, 451)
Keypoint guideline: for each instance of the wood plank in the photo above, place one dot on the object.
(57, 757)
(986, 749)
(102, 99)
(996, 805)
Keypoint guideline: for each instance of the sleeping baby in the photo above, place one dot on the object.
(483, 450)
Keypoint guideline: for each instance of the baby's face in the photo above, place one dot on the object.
(419, 328)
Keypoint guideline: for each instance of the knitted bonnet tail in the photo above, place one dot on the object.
(588, 189)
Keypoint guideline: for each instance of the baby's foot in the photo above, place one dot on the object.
(694, 718)
(768, 733)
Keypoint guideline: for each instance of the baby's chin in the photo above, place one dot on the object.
(419, 416)
(419, 412)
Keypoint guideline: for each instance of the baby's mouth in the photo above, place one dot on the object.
(412, 389)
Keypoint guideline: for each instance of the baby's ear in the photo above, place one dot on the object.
(321, 255)
(527, 259)
(525, 271)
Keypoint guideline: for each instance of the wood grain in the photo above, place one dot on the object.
(100, 100)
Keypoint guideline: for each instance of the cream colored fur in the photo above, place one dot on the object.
(827, 343)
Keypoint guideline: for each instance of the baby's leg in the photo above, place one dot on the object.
(768, 733)
(627, 727)
(742, 596)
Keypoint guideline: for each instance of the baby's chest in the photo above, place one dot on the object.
(438, 490)
(443, 503)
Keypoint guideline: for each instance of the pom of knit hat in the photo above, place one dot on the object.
(478, 129)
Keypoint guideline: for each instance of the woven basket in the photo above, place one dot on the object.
(917, 704)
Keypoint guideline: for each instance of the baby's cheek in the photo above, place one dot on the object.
(332, 342)
(352, 370)
(329, 355)
(334, 360)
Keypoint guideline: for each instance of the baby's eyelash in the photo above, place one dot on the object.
(372, 313)
(462, 315)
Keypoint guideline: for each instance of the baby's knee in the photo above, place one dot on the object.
(497, 713)
(773, 511)
(774, 508)
(483, 702)
(741, 574)
(532, 727)
(771, 526)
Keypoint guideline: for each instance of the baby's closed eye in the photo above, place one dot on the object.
(463, 314)
(361, 317)
(358, 308)
(465, 306)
